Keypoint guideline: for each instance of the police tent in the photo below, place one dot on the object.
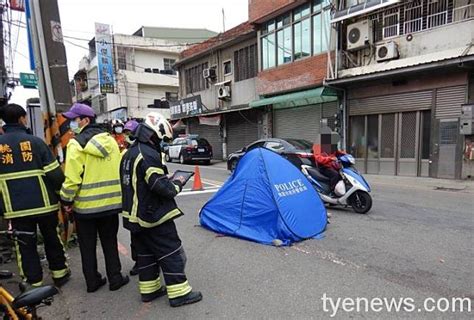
(266, 200)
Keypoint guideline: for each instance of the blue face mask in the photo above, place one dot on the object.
(74, 125)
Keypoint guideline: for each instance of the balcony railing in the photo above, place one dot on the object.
(463, 13)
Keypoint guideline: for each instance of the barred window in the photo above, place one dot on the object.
(122, 58)
(245, 63)
(194, 79)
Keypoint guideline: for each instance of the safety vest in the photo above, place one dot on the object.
(30, 176)
(92, 182)
(147, 194)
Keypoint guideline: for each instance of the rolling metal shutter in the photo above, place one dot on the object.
(297, 123)
(210, 133)
(449, 101)
(411, 101)
(242, 129)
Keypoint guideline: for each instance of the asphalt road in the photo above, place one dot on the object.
(416, 243)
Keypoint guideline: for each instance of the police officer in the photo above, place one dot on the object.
(149, 211)
(30, 178)
(92, 192)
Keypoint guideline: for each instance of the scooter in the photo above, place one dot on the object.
(352, 190)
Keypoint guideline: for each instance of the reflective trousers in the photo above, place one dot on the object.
(160, 248)
(27, 254)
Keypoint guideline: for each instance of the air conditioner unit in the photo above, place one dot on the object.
(386, 51)
(359, 35)
(223, 92)
(209, 73)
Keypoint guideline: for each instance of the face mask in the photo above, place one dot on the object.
(129, 139)
(74, 125)
(118, 129)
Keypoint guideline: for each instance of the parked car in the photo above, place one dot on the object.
(292, 149)
(188, 149)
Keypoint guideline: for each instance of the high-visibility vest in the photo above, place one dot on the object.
(92, 173)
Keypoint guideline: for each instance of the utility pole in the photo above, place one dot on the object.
(51, 69)
(3, 71)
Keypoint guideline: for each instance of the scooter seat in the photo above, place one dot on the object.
(34, 297)
(314, 172)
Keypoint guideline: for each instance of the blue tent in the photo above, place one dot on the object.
(266, 198)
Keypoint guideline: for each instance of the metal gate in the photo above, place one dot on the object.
(210, 133)
(242, 129)
(297, 123)
(392, 143)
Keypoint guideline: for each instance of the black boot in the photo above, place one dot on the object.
(134, 271)
(120, 284)
(59, 282)
(192, 297)
(148, 297)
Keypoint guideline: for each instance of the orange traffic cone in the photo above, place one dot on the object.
(197, 185)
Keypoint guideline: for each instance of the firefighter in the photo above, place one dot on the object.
(149, 210)
(91, 192)
(117, 133)
(30, 177)
(129, 131)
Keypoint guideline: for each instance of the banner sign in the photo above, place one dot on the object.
(183, 108)
(105, 65)
(210, 120)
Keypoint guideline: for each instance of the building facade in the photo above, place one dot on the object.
(406, 70)
(294, 45)
(217, 84)
(145, 79)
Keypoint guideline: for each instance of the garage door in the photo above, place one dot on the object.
(297, 123)
(210, 133)
(242, 129)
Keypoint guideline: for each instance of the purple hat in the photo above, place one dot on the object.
(131, 125)
(79, 110)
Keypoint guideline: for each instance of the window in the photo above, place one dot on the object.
(437, 13)
(463, 10)
(227, 67)
(171, 96)
(274, 145)
(122, 58)
(194, 80)
(245, 63)
(390, 23)
(413, 16)
(295, 35)
(168, 64)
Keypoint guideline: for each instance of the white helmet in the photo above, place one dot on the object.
(117, 122)
(160, 125)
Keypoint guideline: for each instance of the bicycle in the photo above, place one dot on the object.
(25, 305)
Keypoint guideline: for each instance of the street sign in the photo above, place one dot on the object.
(28, 80)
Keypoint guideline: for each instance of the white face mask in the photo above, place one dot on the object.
(74, 125)
(118, 129)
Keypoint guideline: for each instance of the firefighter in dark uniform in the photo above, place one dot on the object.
(30, 180)
(149, 211)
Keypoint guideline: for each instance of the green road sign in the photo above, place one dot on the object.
(28, 80)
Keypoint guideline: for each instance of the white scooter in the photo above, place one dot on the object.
(352, 190)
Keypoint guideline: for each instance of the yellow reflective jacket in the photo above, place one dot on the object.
(92, 182)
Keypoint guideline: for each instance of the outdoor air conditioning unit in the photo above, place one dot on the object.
(209, 73)
(386, 51)
(359, 35)
(223, 92)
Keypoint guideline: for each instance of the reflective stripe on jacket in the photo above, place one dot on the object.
(148, 195)
(30, 175)
(92, 182)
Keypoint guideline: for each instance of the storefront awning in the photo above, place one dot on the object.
(298, 99)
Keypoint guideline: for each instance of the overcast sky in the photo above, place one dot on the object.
(78, 18)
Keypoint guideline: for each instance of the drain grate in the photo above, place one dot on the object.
(449, 189)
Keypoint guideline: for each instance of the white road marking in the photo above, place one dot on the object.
(192, 193)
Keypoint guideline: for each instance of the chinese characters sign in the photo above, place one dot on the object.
(6, 153)
(103, 46)
(191, 106)
(18, 5)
